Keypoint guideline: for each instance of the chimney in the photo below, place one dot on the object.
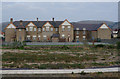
(11, 20)
(53, 19)
(21, 22)
(37, 19)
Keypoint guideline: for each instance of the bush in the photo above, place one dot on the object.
(17, 45)
(99, 45)
(65, 47)
(82, 73)
(118, 45)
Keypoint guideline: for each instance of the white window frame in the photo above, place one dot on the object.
(84, 37)
(56, 29)
(77, 36)
(31, 28)
(34, 29)
(28, 37)
(45, 37)
(51, 29)
(34, 37)
(63, 35)
(39, 29)
(26, 29)
(43, 29)
(39, 37)
(47, 29)
(77, 32)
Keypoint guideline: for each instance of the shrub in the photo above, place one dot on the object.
(99, 72)
(99, 45)
(110, 46)
(17, 45)
(118, 45)
(82, 73)
(65, 47)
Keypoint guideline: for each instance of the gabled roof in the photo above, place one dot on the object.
(37, 23)
(89, 27)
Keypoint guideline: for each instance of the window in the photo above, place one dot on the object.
(68, 28)
(20, 38)
(28, 37)
(83, 32)
(26, 29)
(39, 37)
(19, 29)
(31, 28)
(44, 37)
(77, 38)
(34, 37)
(39, 29)
(63, 35)
(77, 28)
(84, 28)
(63, 28)
(56, 29)
(77, 32)
(34, 29)
(51, 29)
(84, 37)
(47, 29)
(43, 29)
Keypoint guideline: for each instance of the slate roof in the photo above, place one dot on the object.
(89, 27)
(37, 23)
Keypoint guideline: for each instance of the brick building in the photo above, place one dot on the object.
(54, 31)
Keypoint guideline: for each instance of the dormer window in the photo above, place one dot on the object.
(31, 28)
(47, 29)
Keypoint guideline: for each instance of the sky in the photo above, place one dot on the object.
(73, 11)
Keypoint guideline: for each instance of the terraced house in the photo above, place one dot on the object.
(54, 31)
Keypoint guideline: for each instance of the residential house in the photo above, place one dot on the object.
(54, 31)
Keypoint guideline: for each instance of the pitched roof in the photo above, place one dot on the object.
(89, 27)
(37, 23)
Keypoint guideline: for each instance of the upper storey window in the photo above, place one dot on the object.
(51, 29)
(47, 29)
(34, 29)
(39, 29)
(69, 28)
(31, 28)
(56, 29)
(63, 28)
(43, 29)
(26, 29)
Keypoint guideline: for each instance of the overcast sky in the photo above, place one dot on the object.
(73, 11)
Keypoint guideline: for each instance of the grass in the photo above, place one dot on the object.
(60, 57)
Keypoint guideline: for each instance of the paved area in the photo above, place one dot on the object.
(59, 71)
